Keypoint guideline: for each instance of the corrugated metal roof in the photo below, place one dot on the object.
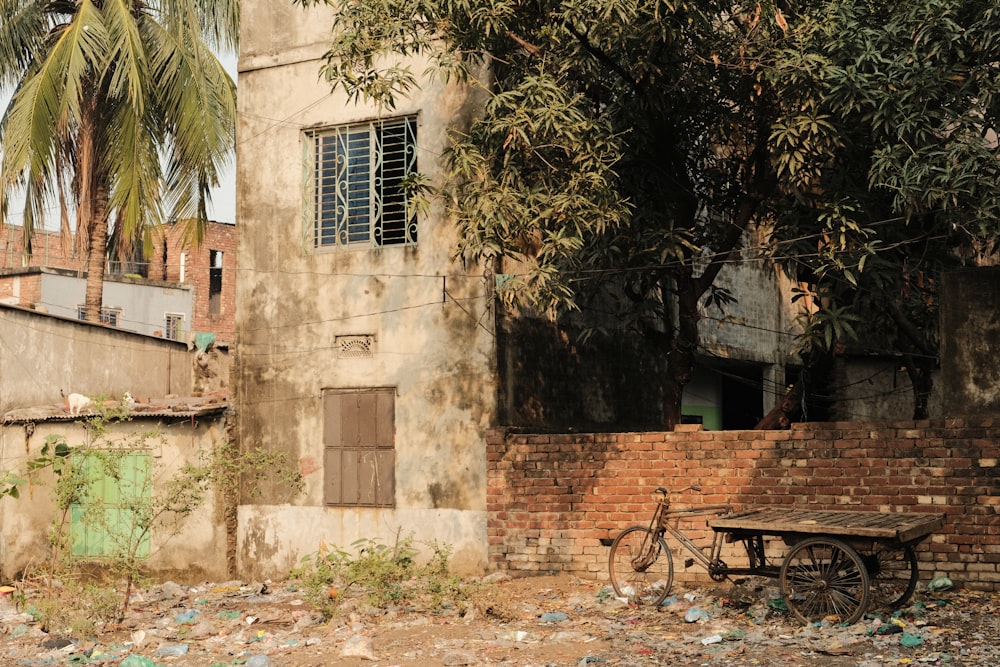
(159, 408)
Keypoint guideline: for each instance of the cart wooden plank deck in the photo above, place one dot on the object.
(896, 528)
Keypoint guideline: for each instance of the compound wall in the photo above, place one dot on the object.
(555, 501)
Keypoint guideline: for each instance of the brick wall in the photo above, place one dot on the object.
(551, 499)
(219, 237)
(164, 264)
(48, 249)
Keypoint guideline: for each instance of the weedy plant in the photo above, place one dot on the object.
(384, 575)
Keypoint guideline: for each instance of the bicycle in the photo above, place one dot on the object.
(641, 566)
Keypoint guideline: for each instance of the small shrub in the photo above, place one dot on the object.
(72, 608)
(386, 575)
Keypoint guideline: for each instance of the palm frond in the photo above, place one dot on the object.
(23, 33)
(75, 58)
(127, 70)
(129, 149)
(198, 104)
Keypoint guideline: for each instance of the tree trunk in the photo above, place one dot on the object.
(784, 411)
(96, 258)
(919, 370)
(91, 209)
(681, 347)
(919, 366)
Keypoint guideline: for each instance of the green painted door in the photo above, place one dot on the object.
(118, 490)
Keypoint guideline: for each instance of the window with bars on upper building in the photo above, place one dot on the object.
(173, 326)
(358, 184)
(111, 316)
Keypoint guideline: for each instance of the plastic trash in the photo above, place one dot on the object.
(553, 617)
(694, 615)
(172, 649)
(669, 600)
(939, 584)
(137, 661)
(712, 639)
(911, 640)
(258, 660)
(186, 617)
(778, 604)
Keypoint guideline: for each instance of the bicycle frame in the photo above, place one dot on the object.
(712, 561)
(661, 523)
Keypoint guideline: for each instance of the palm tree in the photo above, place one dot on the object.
(122, 103)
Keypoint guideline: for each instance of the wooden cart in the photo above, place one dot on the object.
(839, 562)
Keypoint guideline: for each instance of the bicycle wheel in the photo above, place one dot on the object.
(893, 574)
(641, 567)
(825, 579)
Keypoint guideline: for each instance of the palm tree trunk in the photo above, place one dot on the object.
(92, 209)
(97, 255)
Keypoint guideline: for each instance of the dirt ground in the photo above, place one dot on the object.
(528, 621)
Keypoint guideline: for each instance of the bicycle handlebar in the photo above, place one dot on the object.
(663, 492)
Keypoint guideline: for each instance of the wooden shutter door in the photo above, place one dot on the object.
(359, 437)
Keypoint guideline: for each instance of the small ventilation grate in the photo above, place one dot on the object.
(355, 347)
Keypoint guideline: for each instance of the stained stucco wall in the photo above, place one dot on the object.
(41, 355)
(970, 338)
(196, 554)
(426, 314)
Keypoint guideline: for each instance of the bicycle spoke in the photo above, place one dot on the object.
(640, 566)
(823, 578)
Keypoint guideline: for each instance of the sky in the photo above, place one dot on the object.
(223, 205)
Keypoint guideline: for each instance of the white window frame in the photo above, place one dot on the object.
(167, 318)
(110, 316)
(356, 174)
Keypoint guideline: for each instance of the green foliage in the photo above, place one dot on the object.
(386, 575)
(624, 149)
(52, 456)
(128, 110)
(910, 189)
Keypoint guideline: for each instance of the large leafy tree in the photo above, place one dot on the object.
(911, 185)
(627, 148)
(123, 105)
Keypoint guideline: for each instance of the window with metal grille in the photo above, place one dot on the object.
(359, 436)
(110, 316)
(174, 326)
(358, 184)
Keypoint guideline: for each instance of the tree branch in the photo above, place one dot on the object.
(601, 56)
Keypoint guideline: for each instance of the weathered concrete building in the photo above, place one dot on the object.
(179, 393)
(160, 443)
(375, 359)
(970, 338)
(363, 348)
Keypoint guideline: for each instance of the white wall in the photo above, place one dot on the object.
(143, 306)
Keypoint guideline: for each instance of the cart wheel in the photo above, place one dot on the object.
(893, 574)
(823, 578)
(641, 567)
